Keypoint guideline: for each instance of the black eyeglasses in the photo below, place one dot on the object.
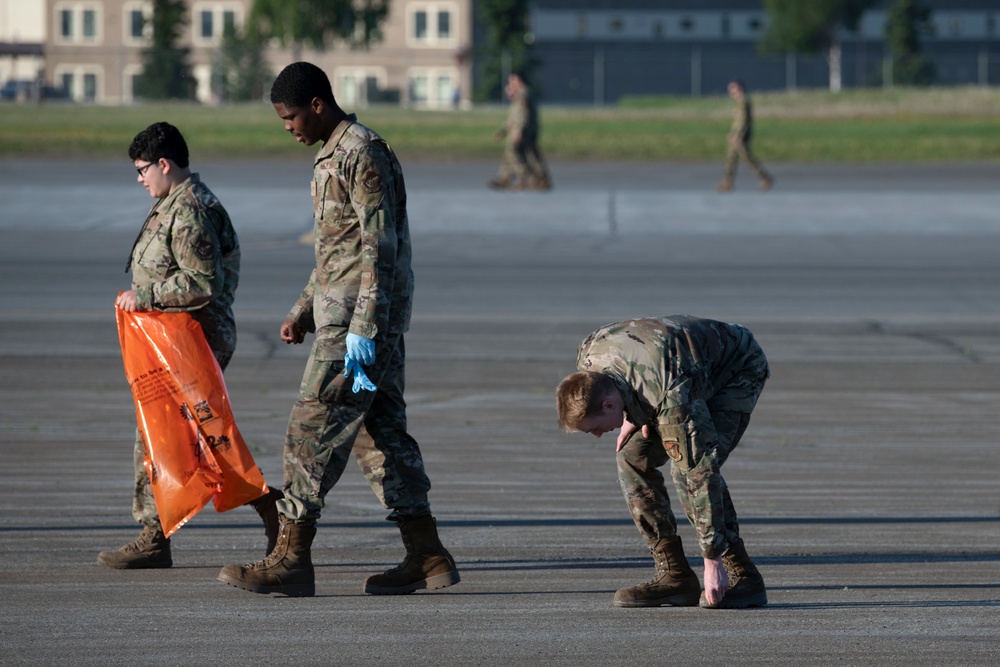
(143, 168)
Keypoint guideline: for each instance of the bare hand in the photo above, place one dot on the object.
(628, 428)
(292, 332)
(716, 580)
(127, 301)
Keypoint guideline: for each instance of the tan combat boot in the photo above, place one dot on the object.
(675, 583)
(766, 183)
(746, 586)
(724, 186)
(500, 183)
(150, 550)
(288, 570)
(268, 511)
(427, 563)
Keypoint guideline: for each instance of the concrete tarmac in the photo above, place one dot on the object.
(866, 483)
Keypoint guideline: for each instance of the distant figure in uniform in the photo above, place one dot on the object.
(738, 141)
(523, 166)
(681, 389)
(186, 258)
(357, 302)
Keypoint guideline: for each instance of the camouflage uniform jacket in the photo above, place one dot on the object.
(523, 115)
(187, 258)
(666, 369)
(742, 120)
(362, 278)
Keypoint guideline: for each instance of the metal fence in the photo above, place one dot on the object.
(602, 74)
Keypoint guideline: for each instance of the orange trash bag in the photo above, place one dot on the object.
(193, 451)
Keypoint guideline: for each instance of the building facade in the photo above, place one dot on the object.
(598, 51)
(21, 36)
(93, 51)
(584, 51)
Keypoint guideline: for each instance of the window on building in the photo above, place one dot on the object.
(66, 24)
(687, 24)
(81, 83)
(419, 89)
(89, 87)
(131, 83)
(445, 90)
(89, 24)
(754, 25)
(78, 22)
(615, 25)
(137, 27)
(348, 95)
(432, 23)
(357, 87)
(136, 23)
(433, 88)
(210, 20)
(657, 29)
(444, 25)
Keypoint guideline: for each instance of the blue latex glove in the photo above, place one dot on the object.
(361, 381)
(360, 352)
(360, 349)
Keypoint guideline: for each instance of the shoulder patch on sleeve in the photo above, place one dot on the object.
(204, 250)
(371, 182)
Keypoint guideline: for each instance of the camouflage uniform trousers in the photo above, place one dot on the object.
(715, 427)
(522, 160)
(329, 420)
(740, 150)
(143, 503)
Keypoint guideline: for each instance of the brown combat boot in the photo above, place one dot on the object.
(150, 550)
(724, 186)
(500, 183)
(288, 570)
(766, 183)
(675, 583)
(427, 563)
(746, 586)
(265, 506)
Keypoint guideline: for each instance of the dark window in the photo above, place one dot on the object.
(66, 23)
(444, 25)
(228, 22)
(206, 25)
(90, 87)
(420, 25)
(89, 23)
(136, 23)
(687, 24)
